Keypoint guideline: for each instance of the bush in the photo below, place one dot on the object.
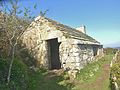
(19, 76)
(115, 71)
(3, 70)
(110, 51)
(22, 78)
(118, 58)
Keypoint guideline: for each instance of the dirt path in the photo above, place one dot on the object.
(101, 82)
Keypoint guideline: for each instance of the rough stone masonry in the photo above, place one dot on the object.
(54, 45)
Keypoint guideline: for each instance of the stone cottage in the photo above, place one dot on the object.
(54, 45)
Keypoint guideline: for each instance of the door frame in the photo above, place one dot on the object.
(53, 54)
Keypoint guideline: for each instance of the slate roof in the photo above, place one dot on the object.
(71, 32)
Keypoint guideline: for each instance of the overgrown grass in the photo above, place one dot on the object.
(115, 71)
(39, 81)
(23, 78)
(88, 77)
(93, 70)
(19, 76)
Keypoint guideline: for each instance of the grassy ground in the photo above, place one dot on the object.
(24, 78)
(115, 70)
(48, 81)
(94, 76)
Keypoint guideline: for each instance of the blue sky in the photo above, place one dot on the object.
(101, 17)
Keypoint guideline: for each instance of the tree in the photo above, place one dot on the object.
(13, 27)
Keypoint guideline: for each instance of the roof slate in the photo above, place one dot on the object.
(71, 32)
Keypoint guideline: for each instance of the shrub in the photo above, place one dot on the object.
(115, 71)
(110, 51)
(3, 70)
(19, 76)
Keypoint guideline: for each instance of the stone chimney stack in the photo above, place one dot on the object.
(82, 29)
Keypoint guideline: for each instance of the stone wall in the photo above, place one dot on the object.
(37, 51)
(34, 39)
(75, 56)
(74, 53)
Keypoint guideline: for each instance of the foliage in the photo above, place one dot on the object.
(90, 71)
(24, 78)
(38, 81)
(110, 50)
(115, 71)
(4, 45)
(91, 76)
(3, 70)
(13, 28)
(118, 58)
(18, 77)
(12, 69)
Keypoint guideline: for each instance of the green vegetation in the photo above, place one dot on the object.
(108, 51)
(19, 75)
(92, 70)
(15, 71)
(95, 76)
(24, 78)
(115, 71)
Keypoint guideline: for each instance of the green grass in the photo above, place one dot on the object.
(115, 71)
(106, 84)
(22, 78)
(89, 72)
(38, 82)
(93, 70)
(19, 76)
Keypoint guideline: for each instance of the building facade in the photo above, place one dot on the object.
(54, 45)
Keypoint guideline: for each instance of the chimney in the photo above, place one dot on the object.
(82, 29)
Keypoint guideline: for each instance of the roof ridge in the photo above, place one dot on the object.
(67, 30)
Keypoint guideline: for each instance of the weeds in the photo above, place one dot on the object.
(92, 70)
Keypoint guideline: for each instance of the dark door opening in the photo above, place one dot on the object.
(53, 54)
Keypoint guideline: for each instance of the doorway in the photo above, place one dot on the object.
(53, 54)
